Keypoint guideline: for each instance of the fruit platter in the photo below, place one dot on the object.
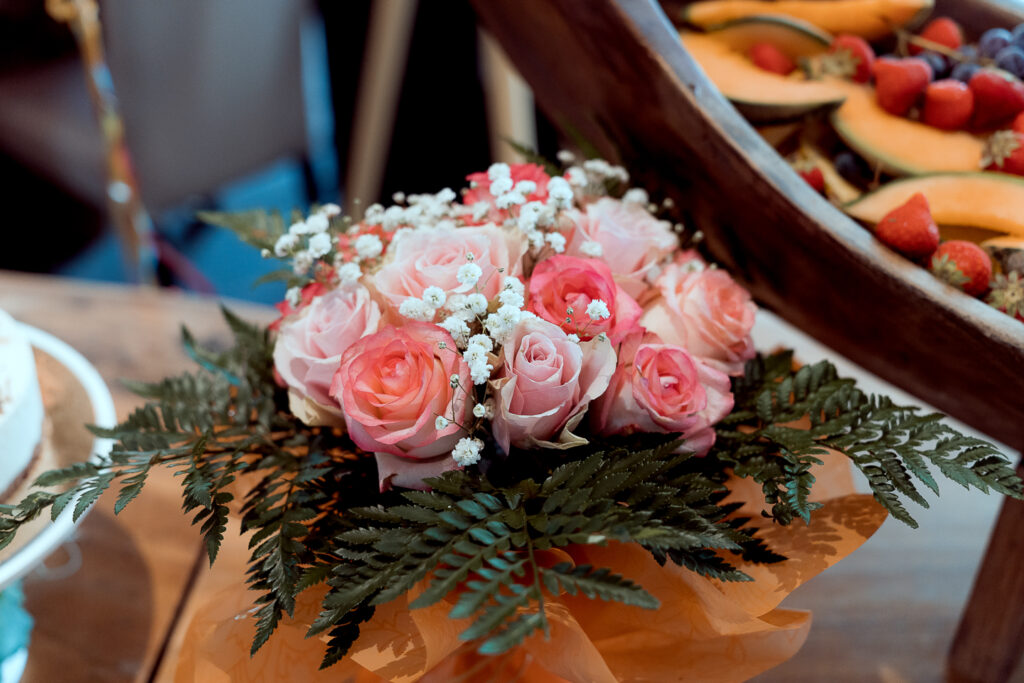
(856, 163)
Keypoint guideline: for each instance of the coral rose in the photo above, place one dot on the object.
(660, 388)
(562, 287)
(545, 384)
(425, 258)
(393, 385)
(705, 312)
(309, 347)
(633, 242)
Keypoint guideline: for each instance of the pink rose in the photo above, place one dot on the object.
(633, 242)
(545, 384)
(562, 287)
(479, 189)
(425, 258)
(309, 347)
(705, 312)
(661, 388)
(393, 385)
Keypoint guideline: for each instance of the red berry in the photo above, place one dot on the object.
(1018, 123)
(899, 82)
(1004, 151)
(948, 104)
(814, 178)
(770, 58)
(861, 56)
(909, 229)
(964, 265)
(998, 98)
(943, 31)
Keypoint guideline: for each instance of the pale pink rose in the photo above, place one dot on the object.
(545, 384)
(660, 388)
(424, 258)
(633, 242)
(562, 287)
(309, 347)
(705, 312)
(479, 189)
(393, 385)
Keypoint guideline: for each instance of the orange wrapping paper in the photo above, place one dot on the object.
(704, 630)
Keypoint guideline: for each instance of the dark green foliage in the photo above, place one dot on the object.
(312, 506)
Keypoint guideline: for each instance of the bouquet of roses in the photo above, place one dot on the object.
(478, 403)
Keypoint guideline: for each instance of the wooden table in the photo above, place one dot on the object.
(887, 613)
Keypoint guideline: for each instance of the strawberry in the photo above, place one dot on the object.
(998, 98)
(899, 82)
(943, 31)
(948, 104)
(964, 265)
(1018, 123)
(851, 57)
(909, 229)
(1008, 294)
(770, 58)
(1004, 152)
(814, 177)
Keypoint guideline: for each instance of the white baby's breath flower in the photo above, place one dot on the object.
(529, 216)
(574, 337)
(525, 187)
(398, 198)
(576, 176)
(293, 296)
(565, 156)
(535, 238)
(469, 274)
(369, 246)
(330, 210)
(498, 170)
(636, 195)
(480, 209)
(458, 328)
(513, 284)
(501, 185)
(298, 228)
(266, 253)
(320, 244)
(416, 309)
(454, 380)
(483, 341)
(557, 241)
(509, 297)
(302, 261)
(508, 200)
(374, 214)
(598, 310)
(475, 354)
(349, 273)
(467, 451)
(480, 372)
(479, 410)
(447, 195)
(317, 223)
(476, 303)
(559, 193)
(441, 423)
(285, 244)
(394, 217)
(434, 296)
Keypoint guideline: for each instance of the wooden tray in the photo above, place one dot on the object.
(614, 73)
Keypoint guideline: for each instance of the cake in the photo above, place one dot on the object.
(21, 406)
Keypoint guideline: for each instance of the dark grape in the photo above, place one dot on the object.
(938, 63)
(1011, 59)
(964, 70)
(853, 168)
(1018, 35)
(994, 40)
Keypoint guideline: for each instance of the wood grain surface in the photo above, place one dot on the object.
(109, 620)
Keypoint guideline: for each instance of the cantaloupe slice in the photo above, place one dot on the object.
(759, 95)
(901, 146)
(985, 200)
(871, 19)
(793, 37)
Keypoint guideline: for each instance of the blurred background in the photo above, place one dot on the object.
(231, 105)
